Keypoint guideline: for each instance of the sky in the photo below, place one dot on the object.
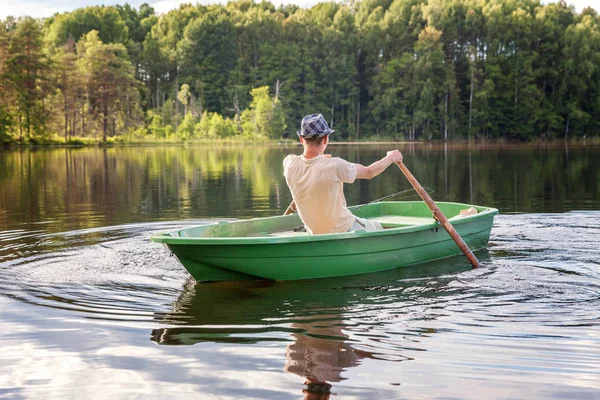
(41, 8)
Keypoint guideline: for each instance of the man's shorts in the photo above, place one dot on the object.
(364, 224)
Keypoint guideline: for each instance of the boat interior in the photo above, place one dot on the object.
(389, 214)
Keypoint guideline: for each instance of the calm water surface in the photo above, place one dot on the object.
(89, 308)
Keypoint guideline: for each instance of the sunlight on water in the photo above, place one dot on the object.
(99, 303)
(529, 318)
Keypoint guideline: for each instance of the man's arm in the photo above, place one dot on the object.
(378, 167)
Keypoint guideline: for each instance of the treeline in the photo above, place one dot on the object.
(402, 69)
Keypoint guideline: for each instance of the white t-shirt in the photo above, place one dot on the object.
(317, 186)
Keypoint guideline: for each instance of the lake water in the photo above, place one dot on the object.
(89, 308)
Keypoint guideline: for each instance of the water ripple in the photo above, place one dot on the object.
(532, 309)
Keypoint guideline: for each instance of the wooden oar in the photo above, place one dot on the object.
(439, 215)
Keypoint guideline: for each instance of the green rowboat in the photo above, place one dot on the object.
(269, 248)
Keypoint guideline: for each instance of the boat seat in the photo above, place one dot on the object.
(287, 233)
(396, 221)
(387, 221)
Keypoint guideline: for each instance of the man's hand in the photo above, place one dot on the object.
(394, 156)
(378, 167)
(327, 155)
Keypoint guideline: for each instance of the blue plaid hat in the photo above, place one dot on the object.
(314, 126)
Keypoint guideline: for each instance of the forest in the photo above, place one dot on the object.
(414, 70)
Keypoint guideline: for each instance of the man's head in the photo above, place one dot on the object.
(314, 131)
(316, 142)
(314, 126)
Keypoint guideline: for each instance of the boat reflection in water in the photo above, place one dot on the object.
(330, 321)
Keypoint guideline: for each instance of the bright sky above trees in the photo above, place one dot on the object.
(41, 8)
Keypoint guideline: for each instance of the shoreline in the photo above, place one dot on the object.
(555, 142)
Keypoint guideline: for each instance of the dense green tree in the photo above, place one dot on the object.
(107, 21)
(412, 69)
(185, 130)
(139, 23)
(6, 100)
(156, 125)
(68, 80)
(264, 118)
(550, 24)
(582, 44)
(159, 58)
(184, 96)
(207, 57)
(109, 81)
(26, 72)
(214, 126)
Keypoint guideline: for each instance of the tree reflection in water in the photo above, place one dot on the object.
(222, 312)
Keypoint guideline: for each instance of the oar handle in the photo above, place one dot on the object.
(439, 215)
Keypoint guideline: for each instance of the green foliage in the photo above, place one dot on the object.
(207, 55)
(169, 131)
(26, 69)
(185, 130)
(105, 20)
(112, 91)
(138, 23)
(214, 126)
(406, 69)
(7, 95)
(264, 118)
(184, 96)
(5, 124)
(156, 127)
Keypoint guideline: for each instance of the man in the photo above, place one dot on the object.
(316, 181)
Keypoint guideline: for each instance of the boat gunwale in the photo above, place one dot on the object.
(357, 254)
(166, 238)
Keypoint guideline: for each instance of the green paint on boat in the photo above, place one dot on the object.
(268, 248)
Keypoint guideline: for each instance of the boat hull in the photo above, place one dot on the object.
(320, 256)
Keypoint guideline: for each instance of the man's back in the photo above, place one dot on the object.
(317, 181)
(317, 187)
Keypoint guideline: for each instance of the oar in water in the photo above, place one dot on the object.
(439, 215)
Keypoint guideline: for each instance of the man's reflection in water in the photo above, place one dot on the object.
(320, 355)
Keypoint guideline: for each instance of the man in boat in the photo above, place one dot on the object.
(316, 181)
